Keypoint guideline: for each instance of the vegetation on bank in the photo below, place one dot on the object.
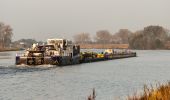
(151, 37)
(161, 92)
(25, 43)
(6, 43)
(5, 35)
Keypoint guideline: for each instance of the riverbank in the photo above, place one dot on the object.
(9, 49)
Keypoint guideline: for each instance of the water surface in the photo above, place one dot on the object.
(111, 79)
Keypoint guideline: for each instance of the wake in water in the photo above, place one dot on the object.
(12, 69)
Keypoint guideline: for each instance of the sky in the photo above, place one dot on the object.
(42, 19)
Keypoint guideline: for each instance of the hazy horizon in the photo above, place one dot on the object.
(42, 19)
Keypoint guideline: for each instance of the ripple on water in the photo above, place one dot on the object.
(111, 79)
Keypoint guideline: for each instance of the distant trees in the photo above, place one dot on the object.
(123, 35)
(136, 40)
(82, 38)
(103, 36)
(5, 35)
(151, 37)
(25, 43)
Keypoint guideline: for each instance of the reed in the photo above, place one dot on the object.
(161, 92)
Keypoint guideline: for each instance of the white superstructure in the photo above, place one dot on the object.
(64, 46)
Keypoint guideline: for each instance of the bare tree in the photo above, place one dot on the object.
(5, 35)
(123, 35)
(103, 36)
(151, 37)
(1, 33)
(82, 38)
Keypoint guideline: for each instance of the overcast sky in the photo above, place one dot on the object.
(42, 19)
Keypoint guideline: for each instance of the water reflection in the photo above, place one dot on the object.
(15, 69)
(5, 55)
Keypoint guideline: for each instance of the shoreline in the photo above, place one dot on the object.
(9, 49)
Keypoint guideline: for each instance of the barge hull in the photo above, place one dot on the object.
(66, 60)
(89, 60)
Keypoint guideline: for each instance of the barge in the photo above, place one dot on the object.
(62, 52)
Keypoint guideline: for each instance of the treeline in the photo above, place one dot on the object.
(5, 35)
(6, 39)
(103, 37)
(25, 43)
(151, 37)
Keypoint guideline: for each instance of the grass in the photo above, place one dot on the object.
(160, 92)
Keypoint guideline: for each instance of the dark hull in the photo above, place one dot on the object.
(118, 56)
(67, 60)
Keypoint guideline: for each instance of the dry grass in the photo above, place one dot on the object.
(161, 92)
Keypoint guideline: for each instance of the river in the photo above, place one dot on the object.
(111, 79)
